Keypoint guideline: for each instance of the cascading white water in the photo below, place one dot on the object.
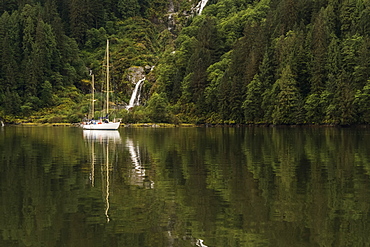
(200, 6)
(137, 174)
(135, 157)
(135, 97)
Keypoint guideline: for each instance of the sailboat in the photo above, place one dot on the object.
(102, 124)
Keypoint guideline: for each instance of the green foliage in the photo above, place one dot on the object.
(341, 107)
(314, 111)
(11, 102)
(226, 65)
(37, 59)
(167, 79)
(234, 18)
(362, 103)
(215, 73)
(96, 38)
(158, 110)
(46, 95)
(128, 8)
(253, 103)
(288, 108)
(135, 115)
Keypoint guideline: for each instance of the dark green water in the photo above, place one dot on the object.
(210, 187)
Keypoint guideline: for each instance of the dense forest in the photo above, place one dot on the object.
(238, 61)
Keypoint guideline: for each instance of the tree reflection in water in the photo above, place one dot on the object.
(185, 187)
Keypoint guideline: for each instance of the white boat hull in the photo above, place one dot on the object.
(101, 126)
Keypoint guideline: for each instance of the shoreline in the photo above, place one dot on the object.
(186, 125)
(77, 125)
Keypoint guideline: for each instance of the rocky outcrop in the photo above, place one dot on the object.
(135, 74)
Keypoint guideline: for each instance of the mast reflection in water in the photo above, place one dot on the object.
(104, 139)
(105, 147)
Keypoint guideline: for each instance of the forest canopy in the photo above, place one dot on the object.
(238, 62)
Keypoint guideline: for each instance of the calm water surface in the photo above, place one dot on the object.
(62, 186)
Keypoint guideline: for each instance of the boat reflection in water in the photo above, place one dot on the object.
(102, 136)
(108, 155)
(106, 141)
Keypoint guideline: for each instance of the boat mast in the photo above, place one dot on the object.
(93, 99)
(107, 76)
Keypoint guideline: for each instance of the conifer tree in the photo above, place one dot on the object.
(267, 78)
(348, 17)
(11, 102)
(158, 108)
(215, 74)
(203, 55)
(80, 19)
(362, 68)
(362, 25)
(362, 103)
(8, 6)
(288, 109)
(333, 67)
(224, 99)
(128, 8)
(341, 109)
(286, 16)
(319, 42)
(313, 107)
(253, 102)
(269, 101)
(29, 16)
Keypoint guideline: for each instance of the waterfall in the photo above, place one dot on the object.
(200, 6)
(135, 97)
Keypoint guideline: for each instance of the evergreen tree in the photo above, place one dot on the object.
(333, 68)
(286, 16)
(11, 102)
(363, 22)
(158, 108)
(319, 42)
(288, 109)
(46, 94)
(81, 19)
(348, 16)
(225, 98)
(313, 107)
(10, 50)
(362, 103)
(8, 6)
(128, 8)
(269, 101)
(253, 103)
(361, 71)
(203, 55)
(29, 16)
(269, 88)
(244, 64)
(342, 109)
(215, 74)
